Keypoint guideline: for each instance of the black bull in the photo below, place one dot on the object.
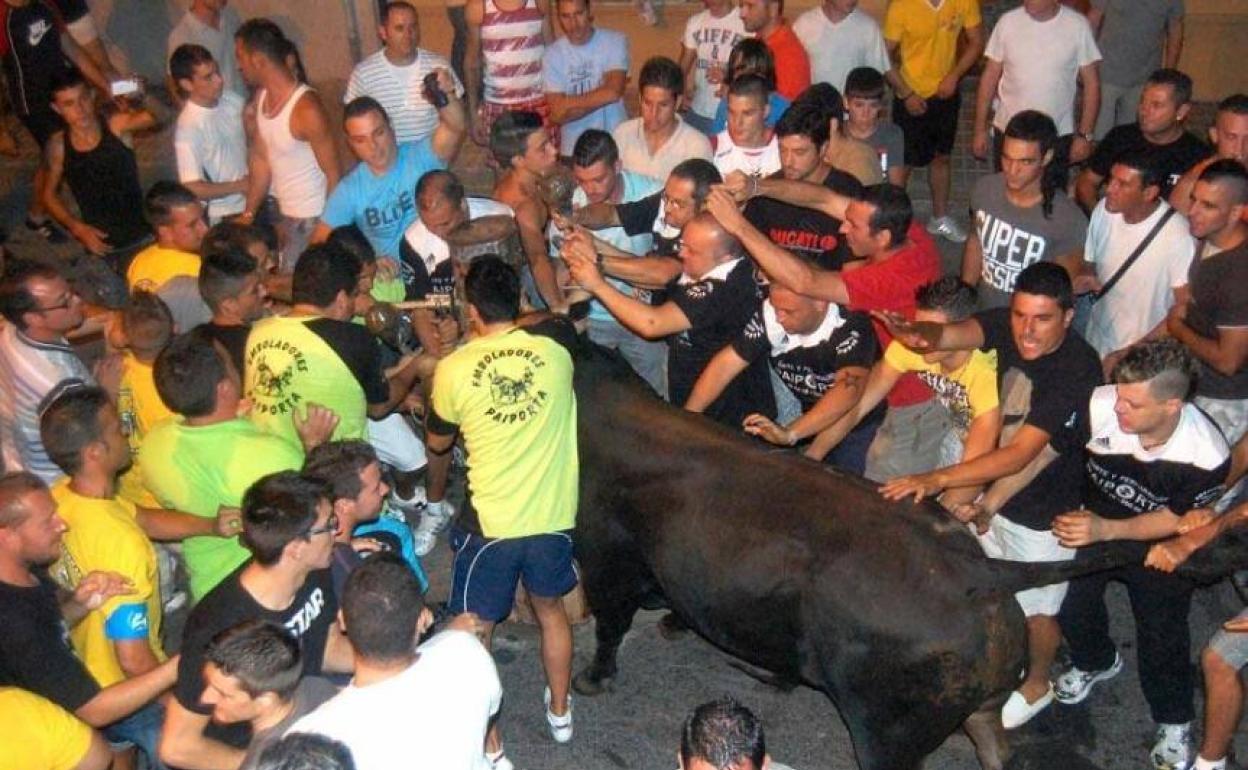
(891, 609)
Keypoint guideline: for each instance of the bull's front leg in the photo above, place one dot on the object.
(614, 588)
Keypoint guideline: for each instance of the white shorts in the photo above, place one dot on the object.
(1014, 542)
(396, 443)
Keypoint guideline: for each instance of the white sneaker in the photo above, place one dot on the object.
(433, 519)
(1075, 685)
(1174, 749)
(499, 761)
(410, 505)
(948, 228)
(560, 726)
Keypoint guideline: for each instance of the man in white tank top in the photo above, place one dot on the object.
(292, 146)
(747, 145)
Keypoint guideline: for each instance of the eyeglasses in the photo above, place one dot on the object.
(62, 305)
(331, 525)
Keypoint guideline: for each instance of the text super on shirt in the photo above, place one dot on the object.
(425, 265)
(1124, 479)
(806, 232)
(718, 306)
(807, 363)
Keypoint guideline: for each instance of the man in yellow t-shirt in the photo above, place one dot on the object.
(177, 216)
(509, 392)
(964, 381)
(922, 39)
(37, 734)
(120, 639)
(148, 327)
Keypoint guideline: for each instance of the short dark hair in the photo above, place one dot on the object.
(351, 239)
(71, 423)
(1046, 279)
(509, 136)
(396, 5)
(264, 37)
(702, 173)
(362, 105)
(306, 751)
(14, 485)
(147, 322)
(949, 295)
(277, 510)
(240, 235)
(15, 297)
(1180, 83)
(1236, 104)
(662, 72)
(1232, 174)
(824, 97)
(445, 183)
(864, 83)
(493, 288)
(751, 85)
(185, 59)
(162, 198)
(595, 145)
(1166, 364)
(751, 55)
(723, 733)
(65, 79)
(187, 372)
(223, 272)
(322, 271)
(262, 656)
(381, 604)
(1145, 163)
(893, 211)
(804, 119)
(339, 464)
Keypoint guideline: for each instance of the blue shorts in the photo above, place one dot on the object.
(485, 571)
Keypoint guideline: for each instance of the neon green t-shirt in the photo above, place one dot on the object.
(198, 469)
(511, 396)
(289, 366)
(103, 535)
(388, 290)
(967, 392)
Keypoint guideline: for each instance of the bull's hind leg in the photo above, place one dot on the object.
(614, 588)
(985, 730)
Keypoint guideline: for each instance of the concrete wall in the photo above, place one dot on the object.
(1217, 31)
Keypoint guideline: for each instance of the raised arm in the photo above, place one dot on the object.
(452, 126)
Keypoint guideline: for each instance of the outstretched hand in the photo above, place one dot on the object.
(766, 429)
(723, 206)
(918, 487)
(96, 587)
(906, 332)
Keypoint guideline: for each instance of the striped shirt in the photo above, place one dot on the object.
(400, 90)
(512, 46)
(31, 375)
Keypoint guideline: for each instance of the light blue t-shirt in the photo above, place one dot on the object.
(579, 69)
(636, 187)
(383, 206)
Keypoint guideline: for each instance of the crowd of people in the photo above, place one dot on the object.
(240, 433)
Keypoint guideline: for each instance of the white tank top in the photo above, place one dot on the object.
(512, 48)
(298, 182)
(754, 161)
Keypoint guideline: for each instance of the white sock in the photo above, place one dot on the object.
(1209, 764)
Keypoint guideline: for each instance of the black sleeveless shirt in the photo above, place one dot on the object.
(105, 183)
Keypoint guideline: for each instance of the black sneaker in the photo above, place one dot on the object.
(47, 230)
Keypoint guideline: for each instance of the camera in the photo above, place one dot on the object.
(433, 92)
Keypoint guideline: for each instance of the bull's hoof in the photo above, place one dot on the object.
(671, 627)
(589, 684)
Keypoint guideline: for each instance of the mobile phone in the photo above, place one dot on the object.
(433, 92)
(125, 87)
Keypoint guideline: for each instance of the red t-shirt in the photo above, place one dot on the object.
(891, 285)
(792, 62)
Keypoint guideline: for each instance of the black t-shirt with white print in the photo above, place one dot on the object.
(1050, 393)
(1124, 479)
(807, 364)
(425, 265)
(718, 307)
(644, 216)
(309, 618)
(1173, 159)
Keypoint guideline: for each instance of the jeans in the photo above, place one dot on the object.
(140, 729)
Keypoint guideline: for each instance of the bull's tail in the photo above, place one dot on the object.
(1007, 577)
